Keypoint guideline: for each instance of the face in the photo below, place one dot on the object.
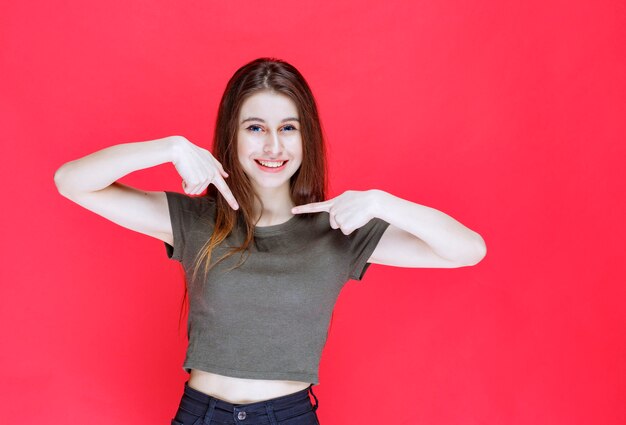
(269, 141)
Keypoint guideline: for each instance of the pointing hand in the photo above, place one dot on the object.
(349, 211)
(199, 168)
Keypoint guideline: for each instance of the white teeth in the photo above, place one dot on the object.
(272, 164)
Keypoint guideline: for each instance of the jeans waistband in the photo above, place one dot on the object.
(277, 402)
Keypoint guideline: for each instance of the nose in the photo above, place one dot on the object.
(273, 145)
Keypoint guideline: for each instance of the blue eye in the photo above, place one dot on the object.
(251, 127)
(289, 126)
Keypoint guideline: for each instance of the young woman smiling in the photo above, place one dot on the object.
(258, 321)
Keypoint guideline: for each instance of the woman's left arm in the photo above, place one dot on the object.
(417, 235)
(421, 236)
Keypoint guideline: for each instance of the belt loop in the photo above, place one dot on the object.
(316, 402)
(209, 411)
(270, 413)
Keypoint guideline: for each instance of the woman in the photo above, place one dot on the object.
(258, 320)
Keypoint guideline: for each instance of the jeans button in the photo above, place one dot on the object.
(241, 416)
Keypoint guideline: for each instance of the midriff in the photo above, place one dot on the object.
(239, 390)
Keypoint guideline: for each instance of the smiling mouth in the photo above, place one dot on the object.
(271, 164)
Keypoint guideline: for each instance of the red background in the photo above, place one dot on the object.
(508, 117)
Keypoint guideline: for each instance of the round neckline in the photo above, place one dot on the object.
(276, 228)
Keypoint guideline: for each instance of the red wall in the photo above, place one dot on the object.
(508, 117)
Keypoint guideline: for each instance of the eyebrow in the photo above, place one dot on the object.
(259, 119)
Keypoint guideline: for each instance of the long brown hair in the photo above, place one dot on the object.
(308, 184)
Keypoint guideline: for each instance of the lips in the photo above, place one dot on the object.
(271, 169)
(273, 162)
(270, 160)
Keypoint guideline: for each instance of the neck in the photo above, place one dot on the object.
(277, 206)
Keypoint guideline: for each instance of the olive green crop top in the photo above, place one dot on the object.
(268, 318)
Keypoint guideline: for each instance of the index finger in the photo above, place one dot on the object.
(221, 185)
(313, 207)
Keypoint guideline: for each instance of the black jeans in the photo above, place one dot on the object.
(198, 408)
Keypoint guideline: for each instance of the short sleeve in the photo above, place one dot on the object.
(361, 244)
(182, 212)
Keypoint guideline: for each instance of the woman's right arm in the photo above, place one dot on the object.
(91, 182)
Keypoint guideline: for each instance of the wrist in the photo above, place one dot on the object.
(377, 202)
(171, 145)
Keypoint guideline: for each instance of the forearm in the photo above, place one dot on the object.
(99, 169)
(446, 236)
